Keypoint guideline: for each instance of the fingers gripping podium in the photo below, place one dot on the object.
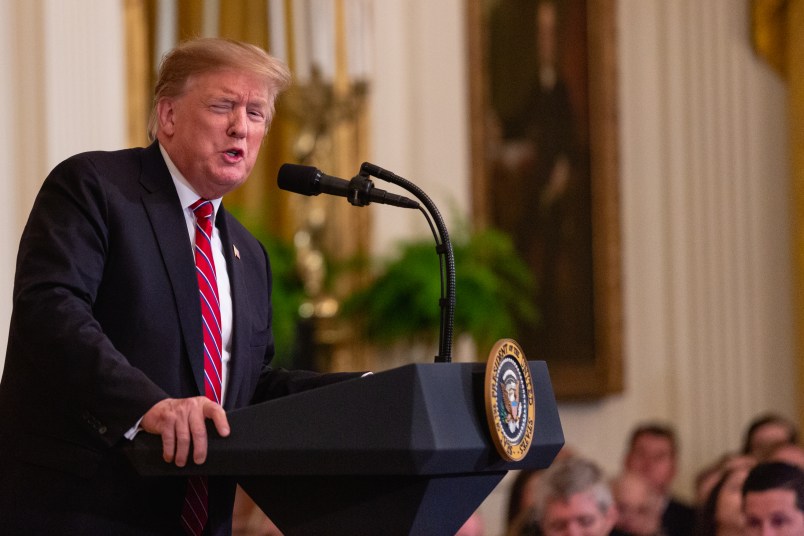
(405, 451)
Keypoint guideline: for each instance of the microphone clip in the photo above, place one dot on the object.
(360, 190)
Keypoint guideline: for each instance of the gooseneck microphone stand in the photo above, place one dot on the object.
(445, 255)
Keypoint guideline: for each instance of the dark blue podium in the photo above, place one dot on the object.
(405, 451)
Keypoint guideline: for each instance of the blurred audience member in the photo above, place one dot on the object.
(639, 505)
(249, 520)
(710, 475)
(652, 453)
(522, 495)
(791, 453)
(721, 513)
(523, 489)
(573, 498)
(474, 526)
(766, 432)
(773, 500)
(525, 524)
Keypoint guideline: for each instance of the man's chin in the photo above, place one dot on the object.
(221, 186)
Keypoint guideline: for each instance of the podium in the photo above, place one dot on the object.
(404, 451)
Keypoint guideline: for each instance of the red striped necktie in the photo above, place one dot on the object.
(195, 513)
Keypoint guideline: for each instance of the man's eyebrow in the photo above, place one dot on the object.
(226, 91)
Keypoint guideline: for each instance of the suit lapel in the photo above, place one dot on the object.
(234, 266)
(170, 229)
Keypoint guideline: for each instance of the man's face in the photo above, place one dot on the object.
(767, 436)
(579, 516)
(773, 513)
(652, 457)
(639, 507)
(213, 130)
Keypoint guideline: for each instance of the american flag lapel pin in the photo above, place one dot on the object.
(236, 251)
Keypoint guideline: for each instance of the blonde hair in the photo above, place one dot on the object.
(206, 54)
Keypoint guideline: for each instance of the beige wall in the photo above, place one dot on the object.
(63, 93)
(8, 170)
(704, 188)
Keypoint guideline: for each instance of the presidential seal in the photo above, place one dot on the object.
(510, 409)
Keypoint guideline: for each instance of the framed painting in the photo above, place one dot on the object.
(545, 170)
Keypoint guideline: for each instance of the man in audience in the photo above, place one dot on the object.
(652, 453)
(773, 500)
(766, 432)
(789, 453)
(574, 498)
(639, 506)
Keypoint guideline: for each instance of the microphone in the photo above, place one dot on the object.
(359, 191)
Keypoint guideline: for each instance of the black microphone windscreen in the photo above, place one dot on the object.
(298, 179)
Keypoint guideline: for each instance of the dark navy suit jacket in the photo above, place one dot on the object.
(106, 322)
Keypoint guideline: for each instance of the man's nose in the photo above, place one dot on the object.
(238, 124)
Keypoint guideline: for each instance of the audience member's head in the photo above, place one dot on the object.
(652, 454)
(573, 498)
(709, 476)
(791, 453)
(773, 500)
(521, 495)
(766, 432)
(523, 488)
(639, 505)
(722, 513)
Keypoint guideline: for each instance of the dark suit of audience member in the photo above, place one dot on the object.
(678, 518)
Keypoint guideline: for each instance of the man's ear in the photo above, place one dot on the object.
(165, 113)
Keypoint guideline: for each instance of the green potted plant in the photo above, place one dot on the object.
(400, 305)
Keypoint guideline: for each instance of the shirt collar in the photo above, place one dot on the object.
(187, 195)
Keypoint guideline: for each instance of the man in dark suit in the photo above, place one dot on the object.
(773, 500)
(106, 336)
(652, 453)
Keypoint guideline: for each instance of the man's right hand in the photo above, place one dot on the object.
(181, 422)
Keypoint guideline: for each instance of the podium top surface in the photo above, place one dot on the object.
(420, 419)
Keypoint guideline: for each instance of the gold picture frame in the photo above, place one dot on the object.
(579, 333)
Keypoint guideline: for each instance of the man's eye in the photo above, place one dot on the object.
(778, 521)
(586, 521)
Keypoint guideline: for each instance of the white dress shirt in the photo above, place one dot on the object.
(188, 196)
